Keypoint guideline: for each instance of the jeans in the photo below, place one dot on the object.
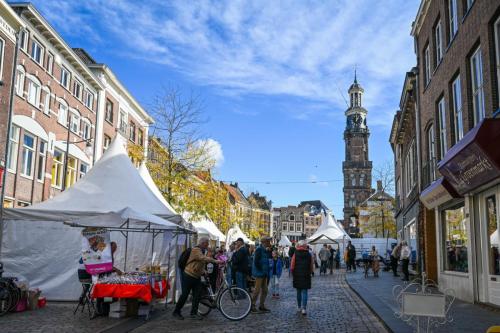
(323, 267)
(189, 283)
(275, 285)
(260, 289)
(241, 280)
(406, 272)
(394, 266)
(302, 298)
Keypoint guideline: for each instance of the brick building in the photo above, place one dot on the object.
(457, 44)
(58, 114)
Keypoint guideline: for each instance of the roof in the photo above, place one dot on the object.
(318, 204)
(260, 200)
(419, 19)
(28, 12)
(87, 58)
(236, 193)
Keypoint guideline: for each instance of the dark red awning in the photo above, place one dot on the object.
(437, 193)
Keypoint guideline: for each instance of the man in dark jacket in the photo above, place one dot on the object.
(351, 256)
(260, 271)
(240, 264)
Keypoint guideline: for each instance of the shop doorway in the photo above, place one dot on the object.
(489, 203)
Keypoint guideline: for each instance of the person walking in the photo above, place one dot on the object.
(260, 271)
(229, 255)
(331, 259)
(286, 256)
(275, 270)
(395, 255)
(337, 259)
(191, 279)
(405, 259)
(375, 261)
(302, 267)
(351, 256)
(324, 255)
(291, 252)
(239, 261)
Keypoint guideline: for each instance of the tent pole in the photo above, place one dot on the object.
(126, 249)
(174, 289)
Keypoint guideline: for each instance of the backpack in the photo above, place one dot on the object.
(183, 259)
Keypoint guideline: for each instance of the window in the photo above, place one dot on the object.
(62, 117)
(442, 128)
(353, 180)
(13, 148)
(75, 122)
(438, 40)
(291, 217)
(452, 13)
(84, 168)
(457, 109)
(298, 227)
(46, 101)
(468, 4)
(409, 169)
(57, 168)
(89, 100)
(65, 77)
(493, 228)
(23, 40)
(291, 227)
(77, 89)
(123, 122)
(427, 65)
(42, 157)
(455, 239)
(476, 64)
(431, 153)
(34, 92)
(109, 111)
(50, 63)
(2, 49)
(20, 76)
(362, 180)
(37, 51)
(107, 141)
(28, 155)
(86, 129)
(71, 172)
(131, 134)
(140, 137)
(285, 226)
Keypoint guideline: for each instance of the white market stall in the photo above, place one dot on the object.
(204, 226)
(284, 241)
(41, 249)
(234, 233)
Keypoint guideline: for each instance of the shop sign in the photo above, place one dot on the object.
(474, 160)
(437, 194)
(96, 251)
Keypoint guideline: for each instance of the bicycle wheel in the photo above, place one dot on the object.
(235, 303)
(5, 298)
(205, 306)
(15, 293)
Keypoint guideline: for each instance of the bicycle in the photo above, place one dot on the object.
(234, 303)
(10, 294)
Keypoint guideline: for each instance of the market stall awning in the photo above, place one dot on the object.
(205, 226)
(474, 160)
(234, 233)
(330, 229)
(437, 193)
(323, 239)
(284, 241)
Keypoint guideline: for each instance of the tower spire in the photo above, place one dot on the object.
(355, 74)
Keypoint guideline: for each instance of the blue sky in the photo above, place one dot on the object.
(269, 73)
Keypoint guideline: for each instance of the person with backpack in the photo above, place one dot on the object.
(240, 264)
(194, 268)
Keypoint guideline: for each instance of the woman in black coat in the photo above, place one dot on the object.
(302, 267)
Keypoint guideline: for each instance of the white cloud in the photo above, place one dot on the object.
(297, 48)
(214, 150)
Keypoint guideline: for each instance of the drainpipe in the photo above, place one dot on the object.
(9, 125)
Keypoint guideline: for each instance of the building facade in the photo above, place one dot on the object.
(457, 44)
(356, 168)
(261, 213)
(58, 112)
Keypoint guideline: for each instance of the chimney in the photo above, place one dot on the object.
(379, 186)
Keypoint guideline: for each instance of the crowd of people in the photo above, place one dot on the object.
(258, 269)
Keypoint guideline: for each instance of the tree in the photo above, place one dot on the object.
(385, 173)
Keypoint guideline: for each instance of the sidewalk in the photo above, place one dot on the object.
(377, 294)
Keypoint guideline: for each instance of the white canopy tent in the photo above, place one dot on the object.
(328, 232)
(284, 241)
(234, 233)
(40, 249)
(205, 226)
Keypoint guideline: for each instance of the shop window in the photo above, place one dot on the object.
(493, 235)
(455, 239)
(57, 169)
(71, 172)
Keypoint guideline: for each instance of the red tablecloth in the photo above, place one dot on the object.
(160, 290)
(139, 291)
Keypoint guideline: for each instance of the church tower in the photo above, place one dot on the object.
(357, 168)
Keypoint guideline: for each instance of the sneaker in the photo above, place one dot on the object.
(195, 317)
(304, 312)
(299, 310)
(264, 309)
(177, 315)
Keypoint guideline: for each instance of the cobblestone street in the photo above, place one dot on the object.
(332, 307)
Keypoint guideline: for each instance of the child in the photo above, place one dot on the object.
(275, 270)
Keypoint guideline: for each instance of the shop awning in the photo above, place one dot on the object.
(437, 193)
(474, 160)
